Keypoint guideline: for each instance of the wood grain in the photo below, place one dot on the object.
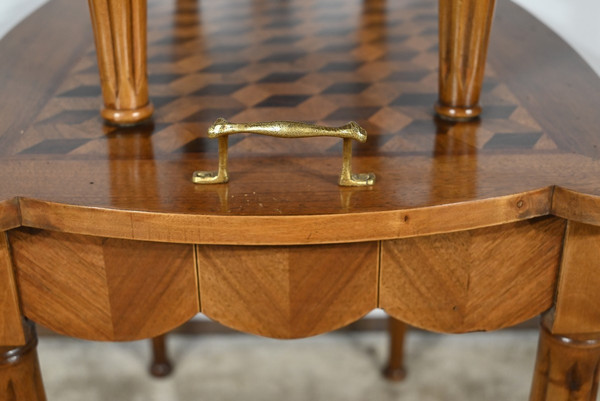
(288, 292)
(549, 75)
(11, 330)
(577, 299)
(85, 191)
(475, 280)
(102, 288)
(567, 367)
(464, 33)
(20, 376)
(282, 229)
(573, 205)
(120, 32)
(31, 69)
(463, 192)
(10, 216)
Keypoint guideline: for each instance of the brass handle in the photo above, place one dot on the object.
(286, 129)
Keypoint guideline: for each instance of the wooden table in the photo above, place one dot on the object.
(470, 226)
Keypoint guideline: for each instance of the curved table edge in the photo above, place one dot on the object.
(301, 229)
(284, 230)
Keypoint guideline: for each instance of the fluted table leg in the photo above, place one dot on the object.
(120, 33)
(20, 377)
(464, 34)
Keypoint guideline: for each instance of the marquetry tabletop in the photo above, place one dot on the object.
(533, 152)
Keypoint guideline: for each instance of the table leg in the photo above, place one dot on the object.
(464, 33)
(395, 368)
(120, 34)
(160, 366)
(20, 377)
(567, 368)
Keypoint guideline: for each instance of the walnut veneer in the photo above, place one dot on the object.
(472, 225)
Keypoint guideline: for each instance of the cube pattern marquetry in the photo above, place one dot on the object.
(319, 61)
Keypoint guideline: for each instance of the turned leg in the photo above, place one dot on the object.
(20, 377)
(120, 33)
(160, 366)
(566, 368)
(395, 368)
(568, 360)
(464, 33)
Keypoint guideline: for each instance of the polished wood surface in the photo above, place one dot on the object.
(465, 27)
(410, 164)
(111, 240)
(20, 377)
(288, 292)
(274, 229)
(577, 296)
(11, 331)
(542, 59)
(9, 214)
(567, 367)
(477, 280)
(103, 288)
(120, 32)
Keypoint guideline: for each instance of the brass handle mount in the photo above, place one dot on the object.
(221, 129)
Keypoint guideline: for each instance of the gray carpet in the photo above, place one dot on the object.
(332, 367)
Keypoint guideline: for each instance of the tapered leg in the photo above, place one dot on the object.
(160, 366)
(395, 368)
(566, 368)
(464, 34)
(120, 33)
(20, 377)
